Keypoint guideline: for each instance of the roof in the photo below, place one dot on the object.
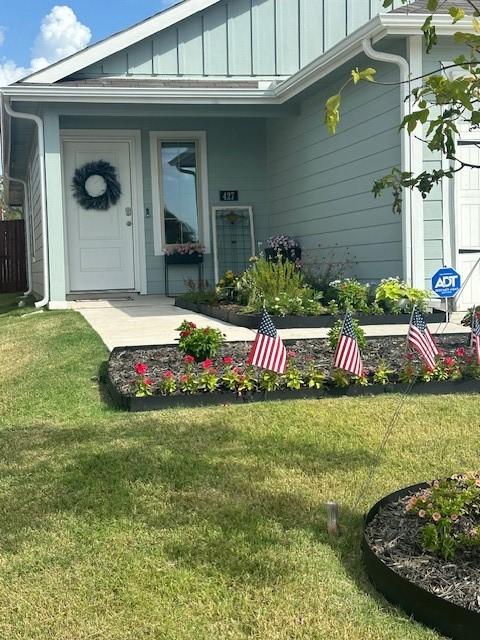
(420, 6)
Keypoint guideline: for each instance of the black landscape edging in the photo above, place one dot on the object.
(252, 320)
(158, 402)
(446, 617)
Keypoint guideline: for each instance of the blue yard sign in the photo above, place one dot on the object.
(446, 283)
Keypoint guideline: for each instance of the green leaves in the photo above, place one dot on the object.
(367, 74)
(332, 113)
(456, 13)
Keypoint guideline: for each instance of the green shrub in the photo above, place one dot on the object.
(395, 296)
(279, 286)
(199, 343)
(349, 295)
(335, 331)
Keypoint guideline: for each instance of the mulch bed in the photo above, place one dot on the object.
(391, 350)
(394, 537)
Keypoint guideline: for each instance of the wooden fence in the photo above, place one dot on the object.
(13, 265)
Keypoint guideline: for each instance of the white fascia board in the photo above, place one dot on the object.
(411, 24)
(153, 95)
(119, 41)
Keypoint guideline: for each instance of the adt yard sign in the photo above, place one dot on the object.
(446, 282)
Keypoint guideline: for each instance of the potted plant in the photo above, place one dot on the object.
(187, 253)
(285, 247)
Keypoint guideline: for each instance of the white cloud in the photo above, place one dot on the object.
(61, 34)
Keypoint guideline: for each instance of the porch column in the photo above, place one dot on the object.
(55, 215)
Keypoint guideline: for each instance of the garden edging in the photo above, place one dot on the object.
(449, 619)
(252, 320)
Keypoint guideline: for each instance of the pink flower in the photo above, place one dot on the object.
(436, 517)
(141, 368)
(207, 364)
(192, 325)
(422, 513)
(291, 354)
(184, 378)
(449, 361)
(189, 359)
(460, 352)
(169, 374)
(228, 360)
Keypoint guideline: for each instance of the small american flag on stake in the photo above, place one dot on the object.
(476, 335)
(268, 350)
(347, 354)
(420, 339)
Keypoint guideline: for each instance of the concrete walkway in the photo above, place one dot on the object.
(152, 320)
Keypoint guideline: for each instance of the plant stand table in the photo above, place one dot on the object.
(181, 259)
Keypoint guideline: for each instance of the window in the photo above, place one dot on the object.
(179, 188)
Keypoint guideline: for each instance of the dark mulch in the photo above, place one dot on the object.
(391, 350)
(393, 535)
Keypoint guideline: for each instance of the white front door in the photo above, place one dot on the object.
(467, 212)
(100, 246)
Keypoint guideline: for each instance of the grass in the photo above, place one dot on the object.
(205, 523)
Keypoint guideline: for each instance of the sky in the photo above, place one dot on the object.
(35, 33)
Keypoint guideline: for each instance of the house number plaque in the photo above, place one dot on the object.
(229, 196)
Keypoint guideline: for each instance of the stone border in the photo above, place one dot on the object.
(447, 618)
(252, 320)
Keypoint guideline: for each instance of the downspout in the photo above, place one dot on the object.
(28, 221)
(406, 150)
(41, 157)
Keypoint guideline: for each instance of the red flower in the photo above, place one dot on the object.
(291, 354)
(449, 361)
(236, 371)
(228, 360)
(207, 364)
(184, 378)
(189, 359)
(460, 352)
(141, 368)
(169, 374)
(192, 325)
(148, 382)
(185, 334)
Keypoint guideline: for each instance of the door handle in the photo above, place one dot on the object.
(128, 211)
(129, 223)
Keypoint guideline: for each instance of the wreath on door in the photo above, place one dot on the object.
(95, 186)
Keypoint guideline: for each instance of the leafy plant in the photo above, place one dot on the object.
(450, 510)
(280, 287)
(396, 296)
(226, 289)
(200, 343)
(335, 331)
(199, 292)
(349, 295)
(168, 383)
(383, 374)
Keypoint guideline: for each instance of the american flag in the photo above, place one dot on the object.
(347, 354)
(420, 339)
(268, 350)
(476, 335)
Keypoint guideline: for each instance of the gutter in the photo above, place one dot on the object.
(406, 151)
(41, 154)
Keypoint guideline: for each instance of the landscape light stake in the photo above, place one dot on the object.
(332, 518)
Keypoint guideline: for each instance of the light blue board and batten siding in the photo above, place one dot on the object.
(243, 38)
(321, 185)
(236, 160)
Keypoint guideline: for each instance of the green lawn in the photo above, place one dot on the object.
(196, 524)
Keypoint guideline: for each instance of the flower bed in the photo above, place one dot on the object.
(233, 314)
(442, 592)
(176, 380)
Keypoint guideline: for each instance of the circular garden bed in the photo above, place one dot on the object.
(440, 588)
